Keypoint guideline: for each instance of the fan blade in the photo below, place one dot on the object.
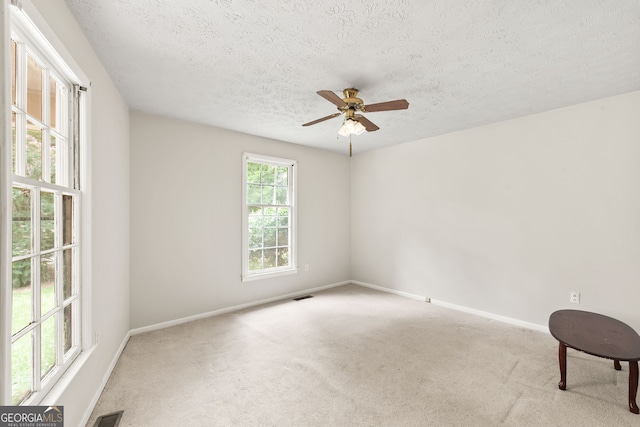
(398, 104)
(322, 119)
(370, 127)
(331, 97)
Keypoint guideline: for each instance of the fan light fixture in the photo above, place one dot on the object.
(351, 127)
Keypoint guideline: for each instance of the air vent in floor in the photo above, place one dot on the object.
(303, 297)
(109, 420)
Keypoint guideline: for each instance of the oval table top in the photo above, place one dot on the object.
(595, 334)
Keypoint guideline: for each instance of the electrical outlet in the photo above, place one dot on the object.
(97, 341)
(574, 297)
(306, 267)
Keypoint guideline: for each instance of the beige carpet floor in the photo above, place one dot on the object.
(352, 356)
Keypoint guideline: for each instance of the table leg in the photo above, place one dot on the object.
(562, 358)
(616, 364)
(633, 386)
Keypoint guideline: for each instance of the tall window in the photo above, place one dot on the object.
(45, 238)
(269, 216)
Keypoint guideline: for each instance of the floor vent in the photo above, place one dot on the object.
(109, 420)
(304, 297)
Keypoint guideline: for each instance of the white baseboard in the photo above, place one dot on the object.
(492, 316)
(188, 319)
(512, 321)
(105, 379)
(391, 291)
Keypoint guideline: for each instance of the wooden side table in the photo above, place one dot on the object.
(600, 336)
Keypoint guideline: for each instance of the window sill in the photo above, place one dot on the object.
(260, 276)
(52, 396)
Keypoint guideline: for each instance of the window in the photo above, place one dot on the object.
(45, 305)
(269, 216)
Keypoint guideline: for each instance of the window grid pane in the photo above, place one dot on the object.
(268, 174)
(14, 147)
(268, 194)
(68, 327)
(34, 151)
(255, 259)
(253, 173)
(67, 273)
(67, 220)
(21, 221)
(22, 368)
(283, 256)
(269, 258)
(47, 220)
(14, 63)
(21, 296)
(53, 159)
(48, 345)
(47, 282)
(34, 89)
(53, 104)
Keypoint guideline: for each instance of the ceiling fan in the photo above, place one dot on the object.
(350, 105)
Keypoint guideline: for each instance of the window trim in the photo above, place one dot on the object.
(246, 276)
(23, 18)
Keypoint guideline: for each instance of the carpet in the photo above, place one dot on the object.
(352, 356)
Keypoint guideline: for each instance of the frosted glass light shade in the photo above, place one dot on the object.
(351, 127)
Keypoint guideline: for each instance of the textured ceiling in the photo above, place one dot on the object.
(254, 66)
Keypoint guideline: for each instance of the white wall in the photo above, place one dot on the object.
(511, 217)
(109, 180)
(186, 219)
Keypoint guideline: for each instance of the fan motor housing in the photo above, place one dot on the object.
(351, 99)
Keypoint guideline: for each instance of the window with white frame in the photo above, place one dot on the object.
(269, 216)
(45, 306)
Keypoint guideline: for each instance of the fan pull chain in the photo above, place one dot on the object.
(350, 147)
